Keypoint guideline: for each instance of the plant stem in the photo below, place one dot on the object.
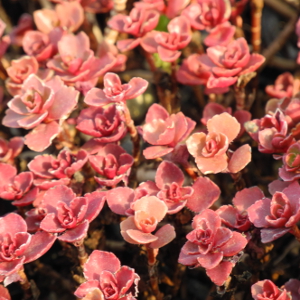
(25, 284)
(82, 255)
(256, 13)
(296, 232)
(240, 97)
(153, 274)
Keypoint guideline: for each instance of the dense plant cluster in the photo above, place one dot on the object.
(84, 180)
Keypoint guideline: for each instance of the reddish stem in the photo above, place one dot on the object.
(82, 255)
(153, 274)
(296, 232)
(25, 284)
(256, 13)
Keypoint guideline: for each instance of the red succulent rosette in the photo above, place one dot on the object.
(67, 215)
(209, 245)
(107, 279)
(18, 247)
(278, 215)
(266, 290)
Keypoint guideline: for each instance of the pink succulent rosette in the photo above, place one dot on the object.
(42, 106)
(104, 47)
(191, 71)
(211, 150)
(41, 45)
(18, 247)
(201, 195)
(76, 64)
(171, 9)
(284, 86)
(66, 15)
(120, 200)
(278, 215)
(107, 279)
(4, 293)
(163, 131)
(148, 212)
(212, 16)
(289, 106)
(16, 187)
(139, 22)
(291, 163)
(10, 149)
(114, 91)
(211, 109)
(207, 14)
(20, 70)
(227, 63)
(25, 23)
(167, 44)
(293, 287)
(106, 125)
(236, 216)
(92, 6)
(50, 171)
(209, 243)
(5, 40)
(112, 163)
(67, 215)
(266, 290)
(271, 133)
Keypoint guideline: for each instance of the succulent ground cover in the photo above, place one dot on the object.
(149, 150)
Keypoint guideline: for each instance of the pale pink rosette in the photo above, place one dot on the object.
(15, 187)
(148, 212)
(267, 290)
(120, 200)
(114, 91)
(18, 247)
(76, 64)
(10, 149)
(66, 15)
(69, 215)
(139, 22)
(210, 245)
(42, 106)
(164, 132)
(20, 70)
(278, 215)
(168, 44)
(107, 279)
(213, 108)
(227, 63)
(211, 150)
(112, 163)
